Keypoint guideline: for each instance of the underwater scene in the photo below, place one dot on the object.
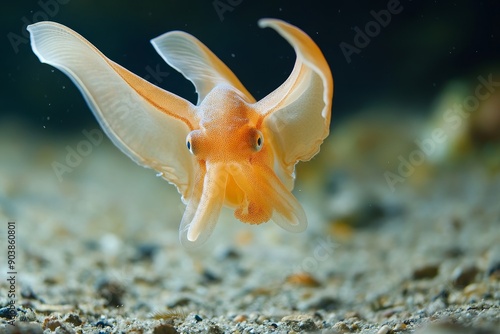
(235, 166)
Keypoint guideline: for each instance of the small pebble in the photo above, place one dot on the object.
(436, 305)
(253, 316)
(400, 327)
(494, 270)
(240, 318)
(111, 291)
(261, 319)
(296, 317)
(426, 272)
(7, 313)
(229, 254)
(164, 329)
(145, 252)
(341, 327)
(325, 303)
(102, 323)
(51, 323)
(273, 325)
(341, 230)
(352, 314)
(454, 252)
(494, 263)
(27, 315)
(73, 319)
(463, 276)
(303, 279)
(307, 325)
(354, 327)
(384, 330)
(210, 277)
(476, 289)
(110, 245)
(318, 316)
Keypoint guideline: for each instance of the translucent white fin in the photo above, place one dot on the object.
(147, 123)
(298, 112)
(197, 63)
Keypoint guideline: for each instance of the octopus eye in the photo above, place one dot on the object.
(189, 144)
(259, 140)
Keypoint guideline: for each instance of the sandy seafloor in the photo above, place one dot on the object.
(99, 251)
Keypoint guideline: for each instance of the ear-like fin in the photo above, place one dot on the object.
(147, 123)
(197, 63)
(298, 112)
